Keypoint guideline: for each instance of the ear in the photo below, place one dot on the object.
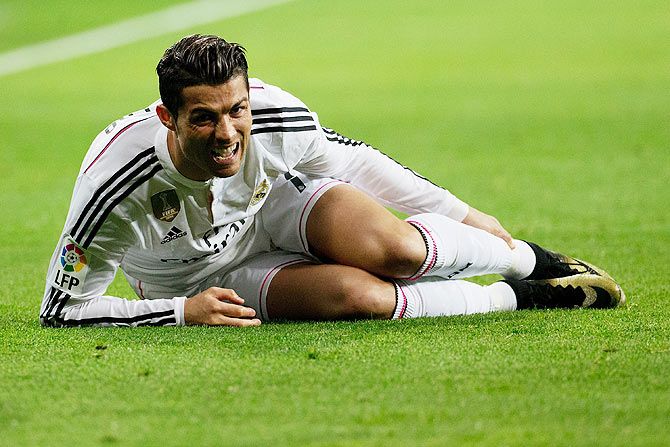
(166, 117)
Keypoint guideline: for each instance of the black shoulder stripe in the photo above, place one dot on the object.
(113, 178)
(279, 129)
(278, 110)
(156, 168)
(283, 119)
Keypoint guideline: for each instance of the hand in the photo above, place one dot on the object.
(477, 219)
(219, 307)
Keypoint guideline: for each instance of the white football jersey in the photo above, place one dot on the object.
(132, 209)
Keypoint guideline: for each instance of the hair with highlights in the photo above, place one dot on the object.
(197, 60)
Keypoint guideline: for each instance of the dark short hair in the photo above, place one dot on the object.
(197, 60)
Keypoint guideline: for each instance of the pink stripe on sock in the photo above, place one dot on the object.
(399, 313)
(430, 261)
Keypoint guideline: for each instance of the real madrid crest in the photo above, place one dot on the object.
(165, 205)
(260, 192)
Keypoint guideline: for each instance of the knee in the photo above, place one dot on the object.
(360, 298)
(403, 252)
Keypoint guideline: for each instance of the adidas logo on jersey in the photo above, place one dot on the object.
(174, 233)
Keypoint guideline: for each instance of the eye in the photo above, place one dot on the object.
(238, 109)
(201, 118)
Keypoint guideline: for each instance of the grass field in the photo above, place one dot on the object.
(552, 116)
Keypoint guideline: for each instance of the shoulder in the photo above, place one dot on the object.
(125, 146)
(277, 111)
(264, 96)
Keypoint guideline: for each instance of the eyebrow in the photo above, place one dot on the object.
(207, 110)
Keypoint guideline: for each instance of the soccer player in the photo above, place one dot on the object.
(227, 203)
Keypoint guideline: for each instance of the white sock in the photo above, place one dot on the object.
(432, 297)
(523, 262)
(456, 250)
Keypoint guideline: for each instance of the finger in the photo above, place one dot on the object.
(230, 295)
(240, 322)
(508, 238)
(502, 234)
(236, 310)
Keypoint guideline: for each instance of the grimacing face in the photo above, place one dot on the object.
(212, 131)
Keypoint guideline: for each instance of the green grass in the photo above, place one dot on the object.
(23, 23)
(551, 116)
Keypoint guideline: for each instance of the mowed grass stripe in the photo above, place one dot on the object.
(551, 117)
(151, 25)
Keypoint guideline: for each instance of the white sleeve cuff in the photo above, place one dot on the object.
(459, 210)
(179, 310)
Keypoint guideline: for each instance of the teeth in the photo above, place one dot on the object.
(225, 151)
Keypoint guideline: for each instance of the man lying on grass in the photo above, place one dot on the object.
(227, 203)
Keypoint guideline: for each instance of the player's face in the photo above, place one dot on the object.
(212, 130)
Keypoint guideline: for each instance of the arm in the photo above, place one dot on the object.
(213, 307)
(380, 176)
(85, 262)
(389, 182)
(81, 270)
(323, 152)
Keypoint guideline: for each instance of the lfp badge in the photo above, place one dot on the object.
(72, 258)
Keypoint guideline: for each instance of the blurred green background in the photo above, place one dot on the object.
(552, 116)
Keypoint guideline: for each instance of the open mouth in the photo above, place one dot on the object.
(224, 155)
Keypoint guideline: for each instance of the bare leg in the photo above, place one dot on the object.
(329, 292)
(337, 292)
(350, 228)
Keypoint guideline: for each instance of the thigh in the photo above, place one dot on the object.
(349, 227)
(285, 213)
(281, 285)
(328, 292)
(252, 278)
(335, 221)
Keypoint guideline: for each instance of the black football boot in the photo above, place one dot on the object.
(577, 290)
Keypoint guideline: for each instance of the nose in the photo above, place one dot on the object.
(225, 130)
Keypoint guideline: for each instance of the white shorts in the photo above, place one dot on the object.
(280, 225)
(284, 218)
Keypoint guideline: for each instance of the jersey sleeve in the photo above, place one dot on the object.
(84, 263)
(394, 185)
(293, 137)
